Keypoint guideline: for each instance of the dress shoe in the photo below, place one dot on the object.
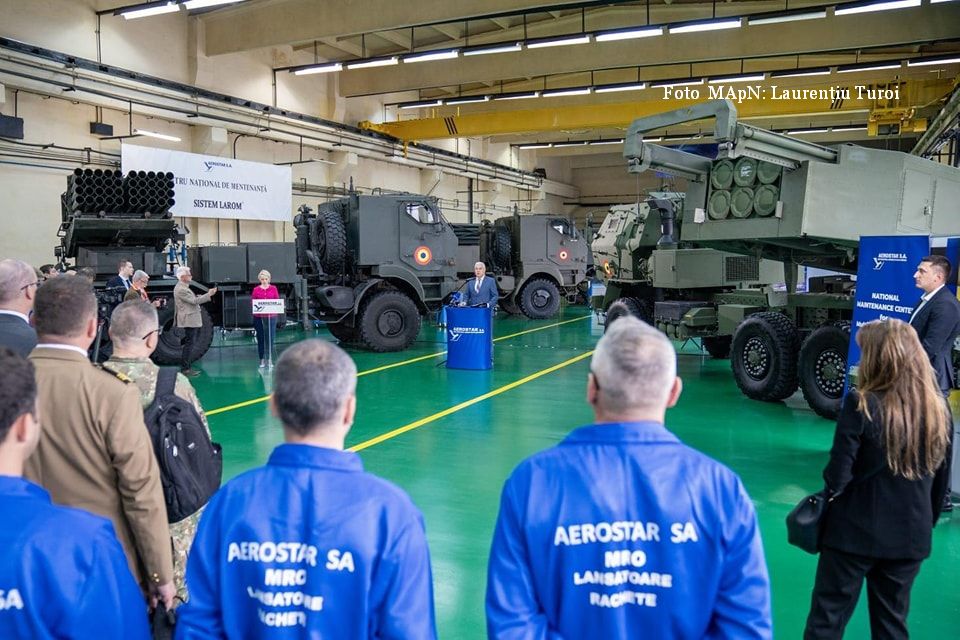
(190, 373)
(947, 504)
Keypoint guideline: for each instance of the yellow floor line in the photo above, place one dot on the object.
(463, 405)
(403, 363)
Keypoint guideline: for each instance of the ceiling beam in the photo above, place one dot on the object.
(914, 93)
(927, 23)
(266, 24)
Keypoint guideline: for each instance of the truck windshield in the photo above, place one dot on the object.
(420, 212)
(562, 225)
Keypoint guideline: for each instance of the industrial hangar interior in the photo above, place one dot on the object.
(496, 113)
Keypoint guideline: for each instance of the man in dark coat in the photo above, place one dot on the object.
(937, 318)
(18, 287)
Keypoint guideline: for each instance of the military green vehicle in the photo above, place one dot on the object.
(374, 265)
(773, 197)
(537, 259)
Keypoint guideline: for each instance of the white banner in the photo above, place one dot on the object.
(268, 306)
(215, 187)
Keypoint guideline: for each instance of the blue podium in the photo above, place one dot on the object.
(469, 338)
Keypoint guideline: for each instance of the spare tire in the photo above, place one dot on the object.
(330, 241)
(388, 321)
(502, 247)
(169, 345)
(539, 299)
(763, 356)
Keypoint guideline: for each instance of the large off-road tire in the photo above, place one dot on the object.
(823, 368)
(539, 299)
(636, 307)
(388, 321)
(168, 346)
(764, 356)
(502, 248)
(718, 346)
(330, 242)
(343, 332)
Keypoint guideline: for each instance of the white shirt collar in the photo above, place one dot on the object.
(10, 312)
(64, 347)
(927, 296)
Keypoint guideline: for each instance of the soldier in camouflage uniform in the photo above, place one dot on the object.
(134, 332)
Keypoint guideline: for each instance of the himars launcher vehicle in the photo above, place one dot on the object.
(682, 262)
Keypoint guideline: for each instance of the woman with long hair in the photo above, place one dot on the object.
(886, 477)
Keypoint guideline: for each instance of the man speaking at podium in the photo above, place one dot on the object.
(481, 290)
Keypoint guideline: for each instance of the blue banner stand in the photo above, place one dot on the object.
(469, 338)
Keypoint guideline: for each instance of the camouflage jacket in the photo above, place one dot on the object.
(143, 373)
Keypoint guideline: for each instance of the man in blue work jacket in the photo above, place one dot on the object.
(481, 289)
(63, 573)
(310, 545)
(621, 530)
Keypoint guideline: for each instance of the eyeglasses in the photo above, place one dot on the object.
(157, 331)
(32, 284)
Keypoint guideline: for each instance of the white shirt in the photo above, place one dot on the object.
(479, 282)
(924, 299)
(65, 347)
(9, 312)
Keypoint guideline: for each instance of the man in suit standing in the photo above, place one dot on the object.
(481, 289)
(188, 315)
(122, 279)
(937, 321)
(95, 451)
(18, 288)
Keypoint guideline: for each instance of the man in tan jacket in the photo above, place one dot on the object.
(95, 452)
(189, 318)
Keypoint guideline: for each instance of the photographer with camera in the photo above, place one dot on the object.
(138, 289)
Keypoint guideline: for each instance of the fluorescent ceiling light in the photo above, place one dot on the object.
(620, 87)
(845, 129)
(876, 6)
(713, 25)
(382, 62)
(653, 139)
(203, 4)
(579, 143)
(320, 68)
(417, 105)
(153, 134)
(876, 67)
(535, 146)
(594, 143)
(752, 78)
(800, 132)
(630, 34)
(468, 100)
(927, 63)
(554, 93)
(155, 10)
(674, 83)
(558, 42)
(801, 73)
(787, 17)
(499, 48)
(431, 55)
(939, 1)
(517, 96)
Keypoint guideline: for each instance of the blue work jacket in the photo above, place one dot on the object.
(63, 573)
(309, 546)
(622, 531)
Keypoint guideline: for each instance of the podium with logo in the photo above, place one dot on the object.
(469, 338)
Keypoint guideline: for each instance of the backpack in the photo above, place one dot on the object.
(191, 466)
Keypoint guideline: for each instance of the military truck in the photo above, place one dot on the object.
(535, 258)
(774, 197)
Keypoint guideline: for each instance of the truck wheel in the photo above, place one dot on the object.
(502, 247)
(718, 346)
(823, 368)
(764, 356)
(636, 307)
(539, 299)
(389, 321)
(330, 242)
(343, 332)
(509, 305)
(168, 346)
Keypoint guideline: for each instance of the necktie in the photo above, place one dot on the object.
(126, 283)
(477, 287)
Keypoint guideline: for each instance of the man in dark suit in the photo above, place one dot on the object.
(122, 279)
(937, 318)
(481, 289)
(18, 288)
(937, 321)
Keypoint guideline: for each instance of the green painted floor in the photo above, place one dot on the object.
(454, 466)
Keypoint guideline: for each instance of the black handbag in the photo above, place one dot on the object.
(804, 522)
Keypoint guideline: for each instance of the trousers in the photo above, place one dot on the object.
(186, 353)
(261, 324)
(837, 588)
